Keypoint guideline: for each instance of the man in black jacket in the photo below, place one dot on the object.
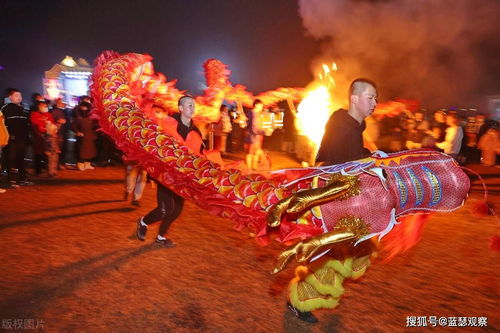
(16, 121)
(343, 141)
(343, 138)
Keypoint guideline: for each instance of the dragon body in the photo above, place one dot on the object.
(319, 206)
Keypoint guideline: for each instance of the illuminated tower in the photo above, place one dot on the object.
(69, 79)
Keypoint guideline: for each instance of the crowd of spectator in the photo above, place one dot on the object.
(472, 138)
(463, 137)
(47, 136)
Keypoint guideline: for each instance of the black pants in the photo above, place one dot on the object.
(63, 146)
(169, 207)
(14, 154)
(40, 161)
(76, 149)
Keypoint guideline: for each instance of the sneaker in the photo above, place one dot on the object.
(135, 203)
(2, 190)
(141, 231)
(165, 242)
(302, 315)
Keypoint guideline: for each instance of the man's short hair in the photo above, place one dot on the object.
(183, 98)
(359, 85)
(83, 98)
(37, 104)
(257, 101)
(86, 105)
(11, 91)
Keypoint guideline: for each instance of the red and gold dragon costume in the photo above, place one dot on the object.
(323, 210)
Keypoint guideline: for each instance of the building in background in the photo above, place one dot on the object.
(69, 79)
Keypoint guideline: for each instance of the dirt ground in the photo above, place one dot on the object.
(70, 262)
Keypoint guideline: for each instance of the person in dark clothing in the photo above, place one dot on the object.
(239, 122)
(413, 135)
(75, 113)
(16, 121)
(169, 204)
(488, 123)
(289, 129)
(85, 129)
(62, 120)
(343, 138)
(438, 126)
(343, 141)
(35, 99)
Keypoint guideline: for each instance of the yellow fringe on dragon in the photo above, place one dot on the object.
(320, 283)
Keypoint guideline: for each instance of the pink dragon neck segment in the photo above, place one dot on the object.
(426, 181)
(409, 182)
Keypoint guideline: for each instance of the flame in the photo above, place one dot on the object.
(326, 76)
(316, 107)
(313, 113)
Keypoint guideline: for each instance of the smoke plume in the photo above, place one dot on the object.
(443, 53)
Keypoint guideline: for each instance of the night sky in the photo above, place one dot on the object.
(443, 53)
(263, 42)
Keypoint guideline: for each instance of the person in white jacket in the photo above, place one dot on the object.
(454, 135)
